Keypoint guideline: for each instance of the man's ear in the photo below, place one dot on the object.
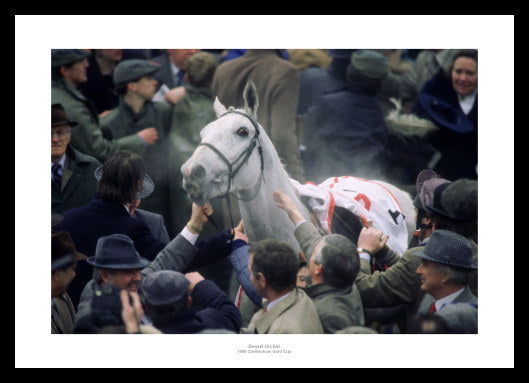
(261, 279)
(104, 275)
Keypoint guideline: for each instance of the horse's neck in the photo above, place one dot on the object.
(261, 216)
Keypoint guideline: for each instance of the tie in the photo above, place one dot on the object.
(180, 77)
(432, 308)
(56, 176)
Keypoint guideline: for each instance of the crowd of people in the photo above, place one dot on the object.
(124, 122)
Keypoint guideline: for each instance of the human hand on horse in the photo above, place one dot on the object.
(199, 217)
(285, 202)
(372, 239)
(238, 232)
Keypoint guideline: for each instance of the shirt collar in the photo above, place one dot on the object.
(61, 161)
(271, 304)
(448, 299)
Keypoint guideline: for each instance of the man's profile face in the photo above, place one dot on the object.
(76, 73)
(431, 279)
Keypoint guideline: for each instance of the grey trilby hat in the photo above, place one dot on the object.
(147, 185)
(450, 249)
(117, 251)
(164, 287)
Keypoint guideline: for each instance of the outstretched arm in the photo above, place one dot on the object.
(286, 203)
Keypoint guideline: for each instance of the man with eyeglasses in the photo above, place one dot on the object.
(72, 172)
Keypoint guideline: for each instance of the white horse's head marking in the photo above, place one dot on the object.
(227, 146)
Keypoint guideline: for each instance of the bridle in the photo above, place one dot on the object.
(233, 167)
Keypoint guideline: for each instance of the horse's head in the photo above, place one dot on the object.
(229, 157)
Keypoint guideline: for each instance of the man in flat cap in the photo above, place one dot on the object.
(64, 258)
(446, 262)
(135, 83)
(73, 183)
(167, 297)
(68, 71)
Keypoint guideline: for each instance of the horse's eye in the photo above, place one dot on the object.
(243, 132)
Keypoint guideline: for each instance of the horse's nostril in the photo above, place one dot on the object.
(198, 172)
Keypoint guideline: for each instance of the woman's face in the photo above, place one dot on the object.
(465, 76)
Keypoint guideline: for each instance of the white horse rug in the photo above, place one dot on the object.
(369, 200)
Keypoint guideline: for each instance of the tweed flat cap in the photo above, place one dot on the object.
(450, 249)
(164, 287)
(370, 63)
(132, 70)
(60, 57)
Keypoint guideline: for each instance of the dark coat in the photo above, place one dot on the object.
(314, 82)
(99, 88)
(346, 134)
(459, 150)
(155, 222)
(78, 185)
(218, 312)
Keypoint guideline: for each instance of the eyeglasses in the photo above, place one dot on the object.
(61, 133)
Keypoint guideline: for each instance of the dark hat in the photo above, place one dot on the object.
(460, 200)
(63, 250)
(450, 249)
(106, 307)
(59, 116)
(117, 251)
(445, 115)
(164, 287)
(426, 185)
(60, 57)
(370, 63)
(344, 54)
(147, 185)
(132, 70)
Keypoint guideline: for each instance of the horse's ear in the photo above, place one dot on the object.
(251, 101)
(218, 107)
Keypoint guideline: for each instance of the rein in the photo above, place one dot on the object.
(242, 159)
